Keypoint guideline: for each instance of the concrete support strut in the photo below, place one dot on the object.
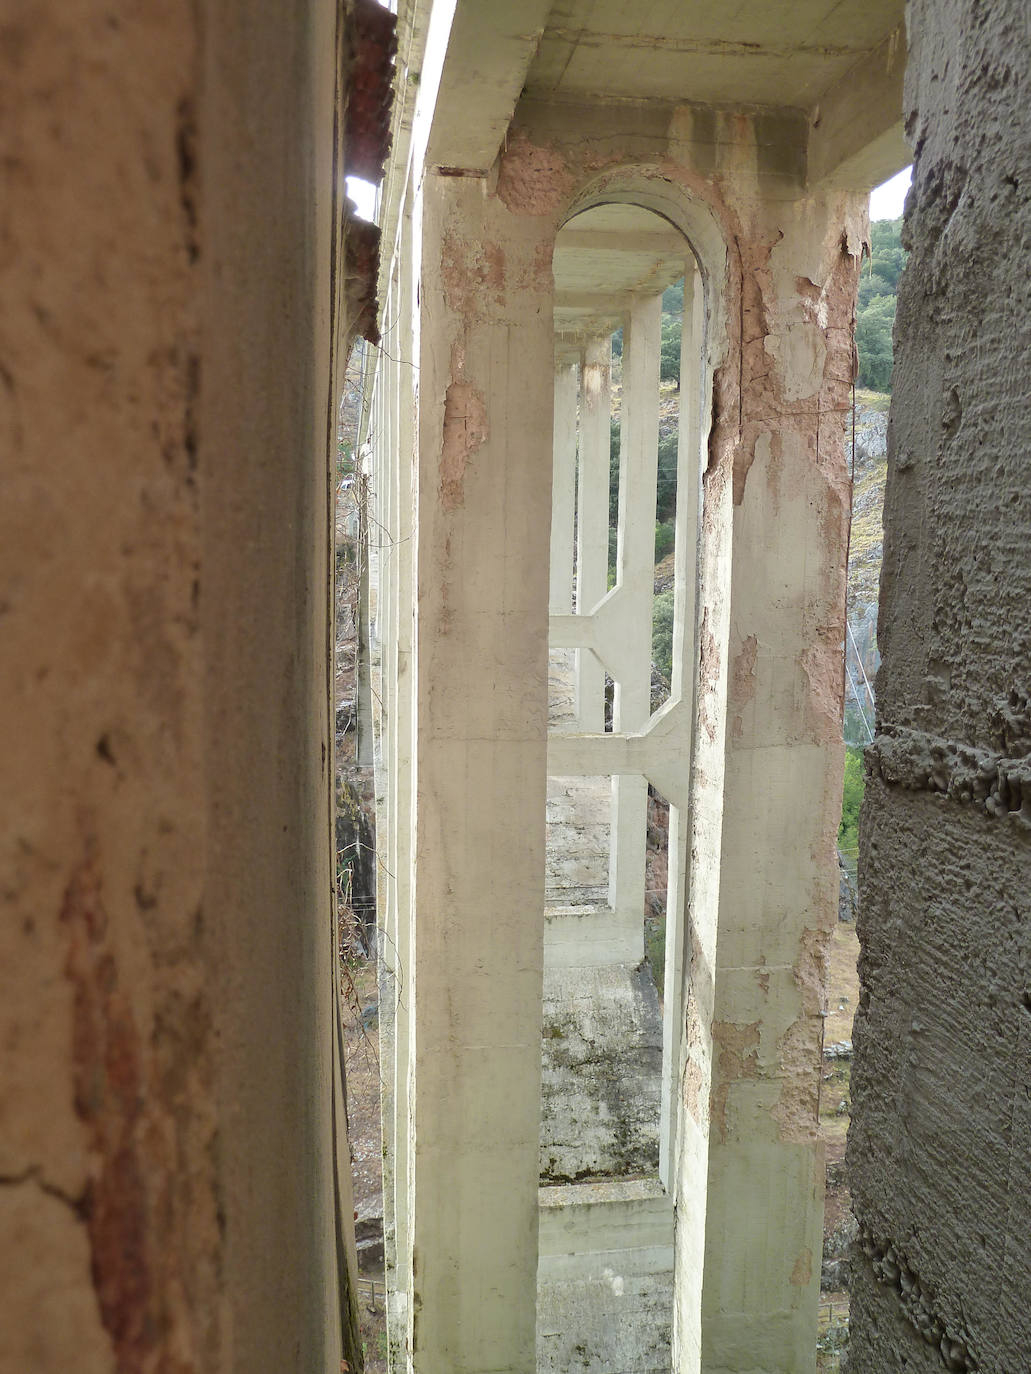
(511, 519)
(484, 488)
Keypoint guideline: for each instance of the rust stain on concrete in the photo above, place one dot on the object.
(737, 1057)
(708, 677)
(803, 1270)
(796, 1111)
(465, 431)
(108, 1091)
(473, 274)
(141, 1088)
(691, 1090)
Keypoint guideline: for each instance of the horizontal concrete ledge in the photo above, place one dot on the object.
(642, 1190)
(591, 937)
(584, 1221)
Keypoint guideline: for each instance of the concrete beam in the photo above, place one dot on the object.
(856, 139)
(659, 244)
(489, 52)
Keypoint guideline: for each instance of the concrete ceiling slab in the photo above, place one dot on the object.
(766, 52)
(604, 259)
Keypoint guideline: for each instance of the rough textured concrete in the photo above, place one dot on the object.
(942, 1123)
(168, 1129)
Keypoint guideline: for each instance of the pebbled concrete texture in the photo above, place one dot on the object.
(941, 1114)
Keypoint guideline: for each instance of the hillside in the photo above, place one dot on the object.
(866, 544)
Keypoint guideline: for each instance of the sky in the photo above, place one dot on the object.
(886, 201)
(363, 193)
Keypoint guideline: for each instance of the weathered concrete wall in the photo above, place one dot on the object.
(602, 1060)
(942, 1120)
(605, 1279)
(167, 1134)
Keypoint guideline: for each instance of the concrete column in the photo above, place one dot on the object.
(941, 1124)
(563, 492)
(631, 627)
(638, 468)
(386, 463)
(592, 528)
(685, 600)
(483, 523)
(782, 795)
(170, 1129)
(690, 906)
(401, 857)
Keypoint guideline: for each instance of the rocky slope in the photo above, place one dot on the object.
(866, 546)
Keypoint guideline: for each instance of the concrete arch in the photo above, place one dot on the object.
(664, 747)
(690, 214)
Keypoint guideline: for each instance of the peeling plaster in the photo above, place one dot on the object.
(533, 179)
(737, 1047)
(803, 1268)
(465, 431)
(798, 1052)
(742, 680)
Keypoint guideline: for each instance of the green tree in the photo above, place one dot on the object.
(669, 349)
(875, 309)
(851, 800)
(673, 298)
(613, 469)
(666, 484)
(662, 634)
(665, 539)
(873, 340)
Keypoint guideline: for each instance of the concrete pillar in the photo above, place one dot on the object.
(629, 632)
(693, 835)
(385, 464)
(638, 466)
(485, 438)
(563, 492)
(592, 513)
(782, 791)
(401, 857)
(682, 689)
(941, 1123)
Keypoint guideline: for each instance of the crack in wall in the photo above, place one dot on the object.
(33, 1176)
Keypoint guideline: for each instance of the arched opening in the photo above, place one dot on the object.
(630, 361)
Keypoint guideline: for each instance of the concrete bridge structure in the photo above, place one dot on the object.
(574, 1181)
(567, 164)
